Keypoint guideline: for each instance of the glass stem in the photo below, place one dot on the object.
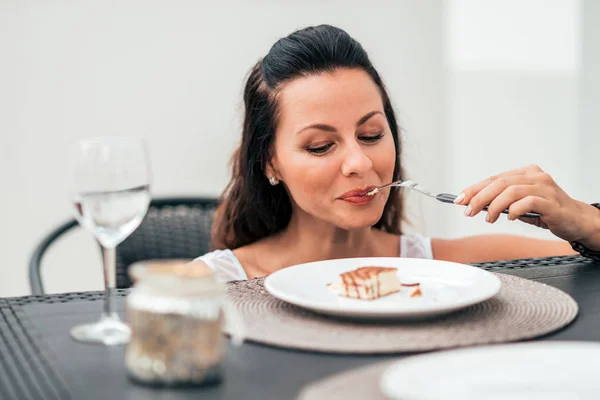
(110, 277)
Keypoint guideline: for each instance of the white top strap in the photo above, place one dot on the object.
(415, 246)
(227, 267)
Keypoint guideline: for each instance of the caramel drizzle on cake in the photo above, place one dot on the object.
(367, 283)
(370, 283)
(351, 278)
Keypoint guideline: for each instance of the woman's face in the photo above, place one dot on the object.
(333, 144)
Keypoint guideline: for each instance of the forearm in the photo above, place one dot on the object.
(483, 248)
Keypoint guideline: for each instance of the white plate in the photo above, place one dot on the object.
(446, 287)
(532, 371)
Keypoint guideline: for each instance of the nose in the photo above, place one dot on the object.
(356, 162)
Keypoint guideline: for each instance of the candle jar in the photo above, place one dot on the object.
(176, 311)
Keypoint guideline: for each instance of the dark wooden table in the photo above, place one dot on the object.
(38, 359)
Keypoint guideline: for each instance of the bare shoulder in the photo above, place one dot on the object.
(246, 254)
(483, 248)
(250, 257)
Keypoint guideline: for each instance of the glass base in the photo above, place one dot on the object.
(109, 331)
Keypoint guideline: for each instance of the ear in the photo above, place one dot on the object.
(271, 169)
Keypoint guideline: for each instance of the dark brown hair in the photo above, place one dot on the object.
(252, 209)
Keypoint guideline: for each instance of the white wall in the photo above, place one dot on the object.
(513, 96)
(474, 98)
(171, 72)
(589, 87)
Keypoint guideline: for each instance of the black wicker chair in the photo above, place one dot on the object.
(173, 228)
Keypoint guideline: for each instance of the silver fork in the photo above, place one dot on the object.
(443, 197)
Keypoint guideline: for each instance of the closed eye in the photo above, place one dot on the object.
(371, 138)
(323, 149)
(319, 150)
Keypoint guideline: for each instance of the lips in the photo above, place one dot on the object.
(358, 196)
(356, 193)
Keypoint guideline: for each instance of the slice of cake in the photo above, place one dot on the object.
(367, 283)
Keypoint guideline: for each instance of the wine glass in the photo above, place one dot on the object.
(110, 189)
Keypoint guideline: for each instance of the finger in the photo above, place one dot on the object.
(486, 195)
(527, 204)
(467, 194)
(511, 195)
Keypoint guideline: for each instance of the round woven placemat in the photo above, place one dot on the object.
(523, 309)
(343, 386)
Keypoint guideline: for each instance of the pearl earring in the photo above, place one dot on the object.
(273, 181)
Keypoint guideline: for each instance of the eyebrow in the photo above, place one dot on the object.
(329, 128)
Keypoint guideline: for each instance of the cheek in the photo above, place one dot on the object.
(307, 176)
(384, 159)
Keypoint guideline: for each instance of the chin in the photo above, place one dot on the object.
(355, 221)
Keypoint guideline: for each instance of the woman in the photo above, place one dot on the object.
(319, 132)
